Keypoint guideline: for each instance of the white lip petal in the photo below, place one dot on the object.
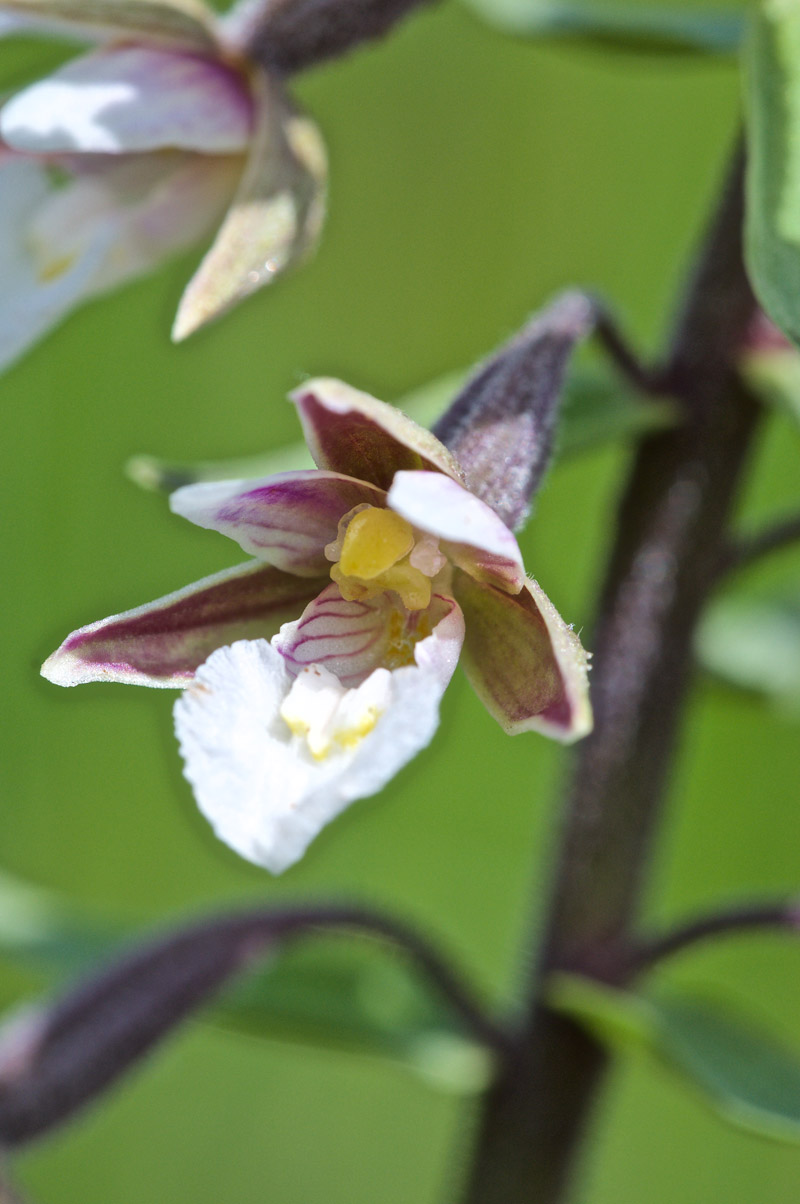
(131, 99)
(257, 782)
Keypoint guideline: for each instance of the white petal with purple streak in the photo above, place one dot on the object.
(163, 642)
(285, 519)
(131, 99)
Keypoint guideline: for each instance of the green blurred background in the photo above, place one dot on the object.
(472, 176)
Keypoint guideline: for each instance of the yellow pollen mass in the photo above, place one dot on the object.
(372, 554)
(374, 541)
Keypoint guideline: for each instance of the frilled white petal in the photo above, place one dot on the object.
(472, 534)
(245, 730)
(131, 99)
(30, 305)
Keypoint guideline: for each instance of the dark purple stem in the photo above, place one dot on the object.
(671, 525)
(620, 352)
(751, 549)
(780, 917)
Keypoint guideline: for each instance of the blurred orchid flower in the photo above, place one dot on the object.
(134, 151)
(394, 568)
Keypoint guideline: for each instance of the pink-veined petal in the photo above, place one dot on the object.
(349, 431)
(352, 639)
(275, 217)
(163, 642)
(256, 780)
(131, 99)
(526, 665)
(183, 23)
(286, 520)
(472, 535)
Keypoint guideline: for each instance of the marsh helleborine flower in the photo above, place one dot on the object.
(134, 151)
(394, 569)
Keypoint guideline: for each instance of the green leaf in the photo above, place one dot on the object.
(616, 1018)
(754, 644)
(774, 376)
(746, 1075)
(752, 1080)
(597, 407)
(634, 27)
(772, 227)
(39, 933)
(346, 993)
(339, 992)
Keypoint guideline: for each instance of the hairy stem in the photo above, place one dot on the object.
(669, 530)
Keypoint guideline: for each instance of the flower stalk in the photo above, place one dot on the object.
(288, 36)
(56, 1059)
(752, 549)
(672, 522)
(757, 917)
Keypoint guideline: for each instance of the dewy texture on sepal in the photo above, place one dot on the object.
(500, 427)
(276, 215)
(315, 673)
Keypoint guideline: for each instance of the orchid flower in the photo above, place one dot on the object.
(134, 151)
(387, 568)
